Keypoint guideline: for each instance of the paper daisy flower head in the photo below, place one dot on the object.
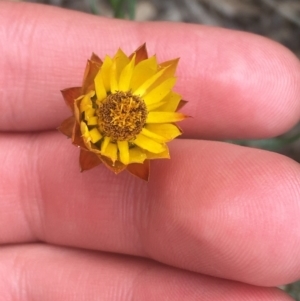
(124, 113)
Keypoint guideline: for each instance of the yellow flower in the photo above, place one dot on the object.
(125, 112)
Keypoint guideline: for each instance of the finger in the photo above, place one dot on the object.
(39, 272)
(214, 208)
(238, 84)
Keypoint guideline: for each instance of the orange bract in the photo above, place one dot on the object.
(124, 113)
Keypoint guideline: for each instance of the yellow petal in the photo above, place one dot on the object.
(149, 144)
(77, 137)
(124, 151)
(105, 72)
(92, 120)
(164, 117)
(86, 102)
(152, 135)
(126, 75)
(95, 135)
(143, 71)
(155, 106)
(114, 78)
(89, 135)
(120, 60)
(167, 130)
(137, 155)
(143, 89)
(85, 131)
(164, 155)
(160, 92)
(172, 65)
(171, 102)
(89, 113)
(169, 71)
(105, 144)
(99, 86)
(111, 151)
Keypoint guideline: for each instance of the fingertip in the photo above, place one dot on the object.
(239, 85)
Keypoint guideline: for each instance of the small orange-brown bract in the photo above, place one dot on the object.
(125, 112)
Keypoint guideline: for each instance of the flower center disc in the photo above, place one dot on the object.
(122, 116)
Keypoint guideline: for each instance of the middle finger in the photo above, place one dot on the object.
(214, 208)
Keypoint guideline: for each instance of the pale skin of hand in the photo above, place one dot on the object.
(216, 222)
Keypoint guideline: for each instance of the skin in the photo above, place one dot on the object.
(216, 222)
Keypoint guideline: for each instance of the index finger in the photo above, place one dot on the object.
(238, 84)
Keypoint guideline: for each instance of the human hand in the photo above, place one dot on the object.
(216, 222)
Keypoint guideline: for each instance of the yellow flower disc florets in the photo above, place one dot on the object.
(122, 116)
